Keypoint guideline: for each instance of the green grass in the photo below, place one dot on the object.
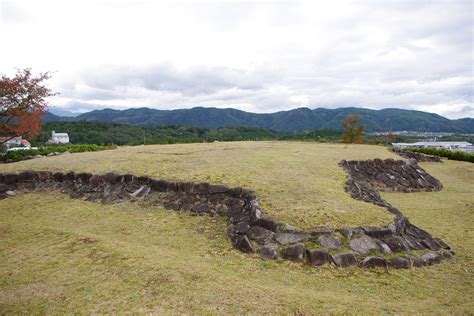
(64, 256)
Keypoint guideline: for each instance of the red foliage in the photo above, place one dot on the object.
(23, 103)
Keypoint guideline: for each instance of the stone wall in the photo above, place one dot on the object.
(417, 156)
(398, 245)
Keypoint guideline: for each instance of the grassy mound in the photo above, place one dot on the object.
(61, 255)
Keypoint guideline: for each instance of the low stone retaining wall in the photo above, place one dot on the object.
(398, 245)
(417, 156)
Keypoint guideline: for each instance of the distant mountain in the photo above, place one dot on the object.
(296, 120)
(64, 113)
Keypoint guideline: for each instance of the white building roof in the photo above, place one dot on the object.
(433, 144)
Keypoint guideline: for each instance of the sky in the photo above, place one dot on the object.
(258, 56)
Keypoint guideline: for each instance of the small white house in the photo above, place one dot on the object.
(59, 138)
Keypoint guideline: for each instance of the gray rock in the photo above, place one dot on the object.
(318, 257)
(349, 232)
(363, 245)
(377, 232)
(400, 263)
(397, 243)
(344, 259)
(141, 192)
(242, 228)
(383, 248)
(294, 253)
(330, 242)
(415, 261)
(268, 223)
(413, 243)
(290, 238)
(442, 243)
(446, 254)
(243, 244)
(10, 193)
(269, 251)
(255, 214)
(259, 234)
(373, 262)
(430, 244)
(430, 258)
(286, 228)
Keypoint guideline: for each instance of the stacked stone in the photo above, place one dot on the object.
(248, 229)
(417, 156)
(386, 175)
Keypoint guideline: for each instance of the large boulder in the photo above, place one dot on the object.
(363, 245)
(400, 263)
(344, 259)
(259, 234)
(374, 262)
(294, 252)
(431, 258)
(329, 241)
(243, 244)
(269, 251)
(268, 223)
(397, 243)
(318, 257)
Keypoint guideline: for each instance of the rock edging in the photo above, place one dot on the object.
(249, 230)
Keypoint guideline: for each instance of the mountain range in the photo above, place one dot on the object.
(297, 120)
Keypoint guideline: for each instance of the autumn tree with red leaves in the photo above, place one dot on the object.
(353, 130)
(22, 104)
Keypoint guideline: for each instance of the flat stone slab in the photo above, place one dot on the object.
(377, 232)
(290, 238)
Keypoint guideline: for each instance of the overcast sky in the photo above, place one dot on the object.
(259, 56)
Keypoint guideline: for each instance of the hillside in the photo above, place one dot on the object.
(296, 120)
(107, 133)
(63, 255)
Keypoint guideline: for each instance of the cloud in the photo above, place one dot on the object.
(260, 56)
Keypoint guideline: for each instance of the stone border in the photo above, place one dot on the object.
(396, 245)
(417, 156)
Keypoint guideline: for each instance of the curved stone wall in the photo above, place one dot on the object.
(399, 244)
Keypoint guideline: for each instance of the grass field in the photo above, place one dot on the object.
(61, 255)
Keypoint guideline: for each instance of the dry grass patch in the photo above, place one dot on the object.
(297, 183)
